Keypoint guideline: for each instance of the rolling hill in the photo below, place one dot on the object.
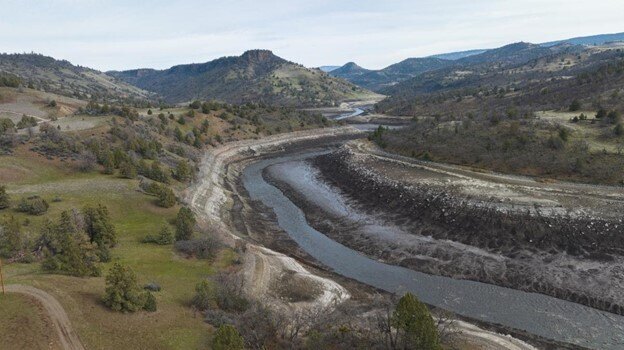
(63, 78)
(257, 76)
(519, 76)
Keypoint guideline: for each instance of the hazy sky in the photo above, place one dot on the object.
(127, 34)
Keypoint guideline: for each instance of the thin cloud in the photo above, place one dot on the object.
(119, 34)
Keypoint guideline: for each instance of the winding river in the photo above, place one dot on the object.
(535, 313)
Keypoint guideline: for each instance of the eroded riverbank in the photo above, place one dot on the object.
(538, 314)
(223, 204)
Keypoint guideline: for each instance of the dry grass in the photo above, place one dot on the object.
(25, 325)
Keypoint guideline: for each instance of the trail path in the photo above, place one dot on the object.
(68, 337)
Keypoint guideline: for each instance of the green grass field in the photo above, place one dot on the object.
(174, 325)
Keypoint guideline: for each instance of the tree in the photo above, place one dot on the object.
(183, 171)
(149, 112)
(98, 226)
(619, 129)
(185, 222)
(156, 173)
(575, 106)
(109, 165)
(10, 237)
(33, 205)
(614, 117)
(601, 113)
(415, 326)
(67, 249)
(122, 291)
(166, 197)
(4, 198)
(227, 338)
(127, 170)
(195, 104)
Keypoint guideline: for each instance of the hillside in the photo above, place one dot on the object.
(257, 76)
(511, 68)
(377, 80)
(61, 77)
(589, 40)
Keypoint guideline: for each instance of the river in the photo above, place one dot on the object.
(535, 313)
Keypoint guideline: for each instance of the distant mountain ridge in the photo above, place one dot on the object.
(62, 77)
(377, 80)
(255, 76)
(383, 79)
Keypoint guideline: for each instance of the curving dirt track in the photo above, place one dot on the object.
(67, 336)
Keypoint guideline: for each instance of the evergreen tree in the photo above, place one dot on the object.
(67, 250)
(100, 229)
(185, 222)
(109, 165)
(414, 324)
(166, 197)
(204, 294)
(10, 237)
(183, 171)
(122, 291)
(127, 170)
(227, 338)
(4, 198)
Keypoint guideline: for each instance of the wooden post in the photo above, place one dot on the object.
(1, 279)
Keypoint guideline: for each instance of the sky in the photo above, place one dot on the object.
(117, 35)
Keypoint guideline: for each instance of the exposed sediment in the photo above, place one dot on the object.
(571, 258)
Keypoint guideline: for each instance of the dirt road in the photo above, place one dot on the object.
(68, 337)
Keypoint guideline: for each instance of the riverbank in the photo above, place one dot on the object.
(224, 204)
(477, 241)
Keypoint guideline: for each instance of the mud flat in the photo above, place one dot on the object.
(326, 206)
(569, 256)
(222, 202)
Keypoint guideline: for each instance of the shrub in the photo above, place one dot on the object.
(227, 338)
(6, 125)
(26, 122)
(202, 248)
(204, 296)
(34, 205)
(152, 287)
(149, 302)
(164, 237)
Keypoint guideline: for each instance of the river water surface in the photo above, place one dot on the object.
(535, 313)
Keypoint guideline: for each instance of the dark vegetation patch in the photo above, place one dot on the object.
(518, 146)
